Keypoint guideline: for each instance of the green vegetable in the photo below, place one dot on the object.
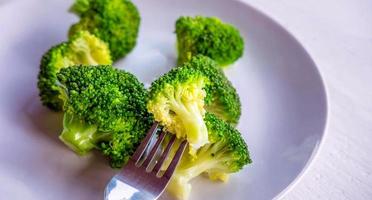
(177, 103)
(106, 109)
(80, 6)
(226, 153)
(222, 98)
(114, 21)
(208, 36)
(82, 48)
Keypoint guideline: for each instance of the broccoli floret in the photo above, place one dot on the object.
(114, 21)
(226, 153)
(106, 109)
(82, 48)
(80, 7)
(208, 36)
(222, 98)
(176, 100)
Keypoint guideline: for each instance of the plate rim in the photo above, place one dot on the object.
(316, 151)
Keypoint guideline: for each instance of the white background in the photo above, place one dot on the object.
(338, 36)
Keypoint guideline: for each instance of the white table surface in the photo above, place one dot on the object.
(338, 36)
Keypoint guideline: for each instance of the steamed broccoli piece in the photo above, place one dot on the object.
(222, 98)
(80, 7)
(176, 100)
(208, 36)
(106, 109)
(82, 48)
(226, 153)
(114, 21)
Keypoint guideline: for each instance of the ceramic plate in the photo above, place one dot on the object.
(283, 101)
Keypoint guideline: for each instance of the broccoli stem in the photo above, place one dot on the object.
(83, 53)
(179, 187)
(84, 56)
(191, 117)
(208, 157)
(78, 135)
(88, 58)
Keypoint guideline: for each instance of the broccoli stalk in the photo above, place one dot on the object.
(177, 102)
(226, 153)
(186, 102)
(180, 186)
(105, 108)
(80, 136)
(221, 97)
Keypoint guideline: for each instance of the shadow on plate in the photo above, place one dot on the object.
(45, 122)
(91, 173)
(34, 44)
(95, 175)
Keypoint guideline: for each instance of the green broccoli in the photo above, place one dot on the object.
(80, 6)
(222, 98)
(114, 21)
(82, 48)
(176, 100)
(226, 153)
(208, 36)
(106, 109)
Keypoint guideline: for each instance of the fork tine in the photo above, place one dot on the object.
(154, 149)
(141, 148)
(172, 166)
(164, 155)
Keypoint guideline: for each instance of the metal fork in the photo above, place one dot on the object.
(136, 181)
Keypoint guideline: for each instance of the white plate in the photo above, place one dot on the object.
(283, 97)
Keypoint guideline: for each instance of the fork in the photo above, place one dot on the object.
(137, 181)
